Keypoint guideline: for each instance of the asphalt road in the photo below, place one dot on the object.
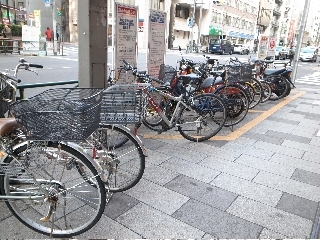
(65, 67)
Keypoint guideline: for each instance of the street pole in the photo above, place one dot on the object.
(199, 25)
(54, 29)
(194, 19)
(258, 25)
(303, 23)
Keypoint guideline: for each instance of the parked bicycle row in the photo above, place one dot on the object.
(65, 150)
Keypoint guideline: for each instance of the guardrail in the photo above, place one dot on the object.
(22, 87)
(10, 46)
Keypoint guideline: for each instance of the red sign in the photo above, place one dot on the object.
(31, 15)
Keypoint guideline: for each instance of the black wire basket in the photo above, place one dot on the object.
(59, 114)
(167, 73)
(124, 104)
(239, 73)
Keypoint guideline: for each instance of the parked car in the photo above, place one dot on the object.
(315, 49)
(241, 49)
(221, 46)
(281, 53)
(308, 54)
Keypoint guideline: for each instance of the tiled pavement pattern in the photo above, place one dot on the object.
(265, 184)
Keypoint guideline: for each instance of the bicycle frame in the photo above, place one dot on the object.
(158, 109)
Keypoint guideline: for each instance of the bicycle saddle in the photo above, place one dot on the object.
(186, 79)
(7, 125)
(268, 72)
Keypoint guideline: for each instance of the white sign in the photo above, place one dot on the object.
(157, 44)
(271, 47)
(126, 30)
(47, 3)
(263, 48)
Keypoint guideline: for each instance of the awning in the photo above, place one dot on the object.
(233, 34)
(215, 30)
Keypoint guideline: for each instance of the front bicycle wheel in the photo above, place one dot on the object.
(266, 91)
(48, 193)
(205, 120)
(279, 85)
(123, 165)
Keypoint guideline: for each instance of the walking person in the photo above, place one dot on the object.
(48, 34)
(6, 32)
(291, 55)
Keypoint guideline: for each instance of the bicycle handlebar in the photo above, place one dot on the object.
(35, 65)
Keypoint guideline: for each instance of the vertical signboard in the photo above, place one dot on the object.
(157, 44)
(272, 47)
(263, 48)
(37, 18)
(125, 44)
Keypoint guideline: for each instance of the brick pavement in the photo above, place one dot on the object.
(263, 184)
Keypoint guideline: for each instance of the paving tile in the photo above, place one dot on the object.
(306, 177)
(267, 166)
(154, 224)
(299, 163)
(5, 212)
(227, 154)
(159, 175)
(274, 134)
(247, 189)
(215, 222)
(118, 204)
(229, 167)
(269, 217)
(280, 149)
(259, 152)
(264, 137)
(298, 206)
(283, 120)
(183, 153)
(308, 122)
(11, 228)
(269, 234)
(156, 157)
(303, 133)
(288, 185)
(202, 192)
(301, 146)
(314, 117)
(157, 196)
(109, 229)
(315, 141)
(289, 115)
(311, 157)
(307, 114)
(193, 170)
(152, 144)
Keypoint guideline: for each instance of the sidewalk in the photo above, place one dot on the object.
(261, 183)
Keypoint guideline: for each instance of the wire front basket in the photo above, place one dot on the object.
(239, 73)
(59, 114)
(124, 104)
(167, 73)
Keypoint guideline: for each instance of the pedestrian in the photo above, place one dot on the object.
(6, 32)
(48, 34)
(291, 55)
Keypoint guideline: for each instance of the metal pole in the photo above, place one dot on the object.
(258, 25)
(194, 19)
(303, 23)
(199, 25)
(54, 28)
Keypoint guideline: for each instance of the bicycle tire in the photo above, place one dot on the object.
(211, 112)
(257, 94)
(279, 85)
(266, 91)
(79, 206)
(123, 165)
(237, 102)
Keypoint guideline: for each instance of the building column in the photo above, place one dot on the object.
(93, 42)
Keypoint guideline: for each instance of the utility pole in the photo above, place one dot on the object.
(54, 29)
(199, 25)
(193, 19)
(303, 23)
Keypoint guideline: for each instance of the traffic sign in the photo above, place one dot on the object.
(31, 15)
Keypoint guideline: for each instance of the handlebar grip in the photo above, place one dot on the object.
(35, 65)
(12, 78)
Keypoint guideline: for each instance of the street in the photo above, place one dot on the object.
(260, 179)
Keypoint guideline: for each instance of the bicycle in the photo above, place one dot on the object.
(198, 118)
(49, 184)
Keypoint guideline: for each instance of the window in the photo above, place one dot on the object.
(182, 12)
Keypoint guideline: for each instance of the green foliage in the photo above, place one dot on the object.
(15, 29)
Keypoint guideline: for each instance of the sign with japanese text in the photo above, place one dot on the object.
(157, 44)
(125, 44)
(263, 48)
(271, 47)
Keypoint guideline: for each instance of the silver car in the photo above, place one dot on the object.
(308, 54)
